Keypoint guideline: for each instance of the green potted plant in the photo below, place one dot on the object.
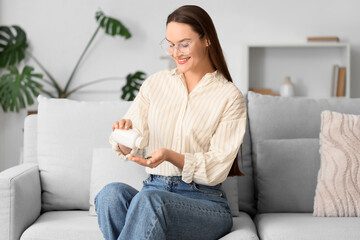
(18, 88)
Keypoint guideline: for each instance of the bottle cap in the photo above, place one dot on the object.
(140, 142)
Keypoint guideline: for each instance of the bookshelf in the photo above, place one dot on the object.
(309, 65)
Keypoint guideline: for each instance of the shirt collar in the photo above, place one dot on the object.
(208, 77)
(174, 72)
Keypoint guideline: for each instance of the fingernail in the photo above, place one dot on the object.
(148, 162)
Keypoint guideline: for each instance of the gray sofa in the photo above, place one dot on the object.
(47, 197)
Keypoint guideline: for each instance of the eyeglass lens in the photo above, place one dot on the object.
(183, 48)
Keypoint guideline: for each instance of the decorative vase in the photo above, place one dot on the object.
(287, 88)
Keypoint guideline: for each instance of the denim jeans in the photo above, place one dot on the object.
(165, 208)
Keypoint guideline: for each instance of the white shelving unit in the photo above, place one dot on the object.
(309, 65)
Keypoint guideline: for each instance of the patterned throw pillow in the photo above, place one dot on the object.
(338, 187)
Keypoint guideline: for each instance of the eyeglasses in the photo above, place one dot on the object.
(168, 47)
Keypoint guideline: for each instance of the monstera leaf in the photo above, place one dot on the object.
(12, 47)
(15, 87)
(133, 83)
(112, 26)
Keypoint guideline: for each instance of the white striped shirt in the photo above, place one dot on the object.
(207, 125)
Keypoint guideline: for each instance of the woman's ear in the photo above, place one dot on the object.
(208, 43)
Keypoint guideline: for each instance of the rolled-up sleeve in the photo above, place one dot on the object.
(213, 166)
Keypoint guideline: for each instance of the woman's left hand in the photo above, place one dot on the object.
(152, 160)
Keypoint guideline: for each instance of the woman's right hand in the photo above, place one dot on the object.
(124, 124)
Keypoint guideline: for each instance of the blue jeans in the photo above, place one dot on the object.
(165, 208)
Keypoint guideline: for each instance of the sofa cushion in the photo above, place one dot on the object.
(243, 228)
(30, 139)
(78, 225)
(60, 225)
(246, 183)
(287, 171)
(108, 168)
(294, 226)
(337, 191)
(68, 131)
(230, 187)
(272, 117)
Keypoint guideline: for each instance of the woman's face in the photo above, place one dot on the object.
(197, 59)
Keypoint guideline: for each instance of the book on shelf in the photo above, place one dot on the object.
(264, 91)
(334, 80)
(323, 39)
(341, 81)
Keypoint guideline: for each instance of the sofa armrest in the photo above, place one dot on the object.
(20, 199)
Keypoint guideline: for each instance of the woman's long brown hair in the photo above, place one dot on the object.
(201, 22)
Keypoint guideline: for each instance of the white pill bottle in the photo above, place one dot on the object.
(129, 138)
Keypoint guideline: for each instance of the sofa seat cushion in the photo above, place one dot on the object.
(69, 225)
(288, 226)
(243, 228)
(78, 225)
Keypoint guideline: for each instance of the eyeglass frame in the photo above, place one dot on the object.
(177, 46)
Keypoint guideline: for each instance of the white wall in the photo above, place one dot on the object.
(58, 31)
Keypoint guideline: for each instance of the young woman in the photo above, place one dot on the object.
(193, 119)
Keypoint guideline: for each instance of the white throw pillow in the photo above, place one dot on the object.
(337, 191)
(68, 131)
(107, 167)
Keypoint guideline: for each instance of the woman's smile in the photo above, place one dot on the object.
(183, 60)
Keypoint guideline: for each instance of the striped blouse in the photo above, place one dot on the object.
(207, 125)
